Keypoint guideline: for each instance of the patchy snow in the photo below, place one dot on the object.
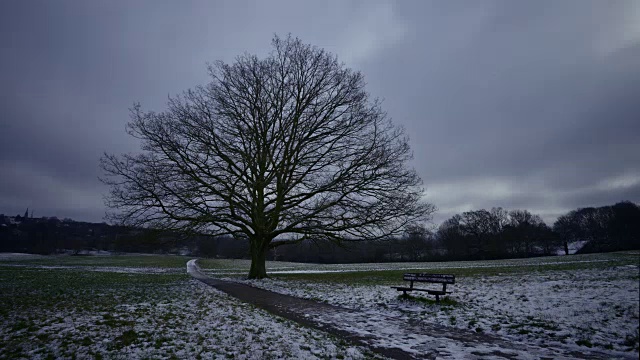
(570, 309)
(178, 319)
(86, 252)
(424, 340)
(114, 269)
(307, 268)
(18, 256)
(134, 270)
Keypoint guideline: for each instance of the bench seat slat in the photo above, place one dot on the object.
(430, 278)
(431, 292)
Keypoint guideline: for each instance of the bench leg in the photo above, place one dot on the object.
(404, 292)
(437, 299)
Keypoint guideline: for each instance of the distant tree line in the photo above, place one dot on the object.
(606, 228)
(497, 233)
(472, 235)
(52, 235)
(485, 234)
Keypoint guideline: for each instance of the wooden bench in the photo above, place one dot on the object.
(443, 279)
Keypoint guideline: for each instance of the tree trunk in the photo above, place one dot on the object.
(258, 256)
(566, 248)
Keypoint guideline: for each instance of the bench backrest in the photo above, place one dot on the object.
(431, 278)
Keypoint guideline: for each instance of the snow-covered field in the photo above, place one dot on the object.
(18, 256)
(581, 302)
(147, 307)
(221, 267)
(68, 312)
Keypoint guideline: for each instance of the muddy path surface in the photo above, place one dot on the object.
(389, 336)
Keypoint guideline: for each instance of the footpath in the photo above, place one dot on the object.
(388, 336)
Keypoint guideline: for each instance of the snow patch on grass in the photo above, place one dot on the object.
(575, 309)
(113, 269)
(61, 313)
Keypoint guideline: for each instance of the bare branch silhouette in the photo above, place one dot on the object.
(276, 150)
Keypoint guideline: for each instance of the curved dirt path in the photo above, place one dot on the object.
(396, 338)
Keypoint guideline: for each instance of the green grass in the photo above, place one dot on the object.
(472, 268)
(584, 342)
(74, 313)
(357, 274)
(127, 338)
(370, 277)
(33, 301)
(138, 261)
(444, 301)
(22, 288)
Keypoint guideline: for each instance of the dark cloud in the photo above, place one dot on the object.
(515, 104)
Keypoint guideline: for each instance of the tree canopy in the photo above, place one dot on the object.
(275, 151)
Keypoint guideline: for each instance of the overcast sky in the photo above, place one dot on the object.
(532, 105)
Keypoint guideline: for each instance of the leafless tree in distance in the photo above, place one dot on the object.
(275, 151)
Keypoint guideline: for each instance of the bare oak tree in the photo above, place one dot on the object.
(274, 151)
